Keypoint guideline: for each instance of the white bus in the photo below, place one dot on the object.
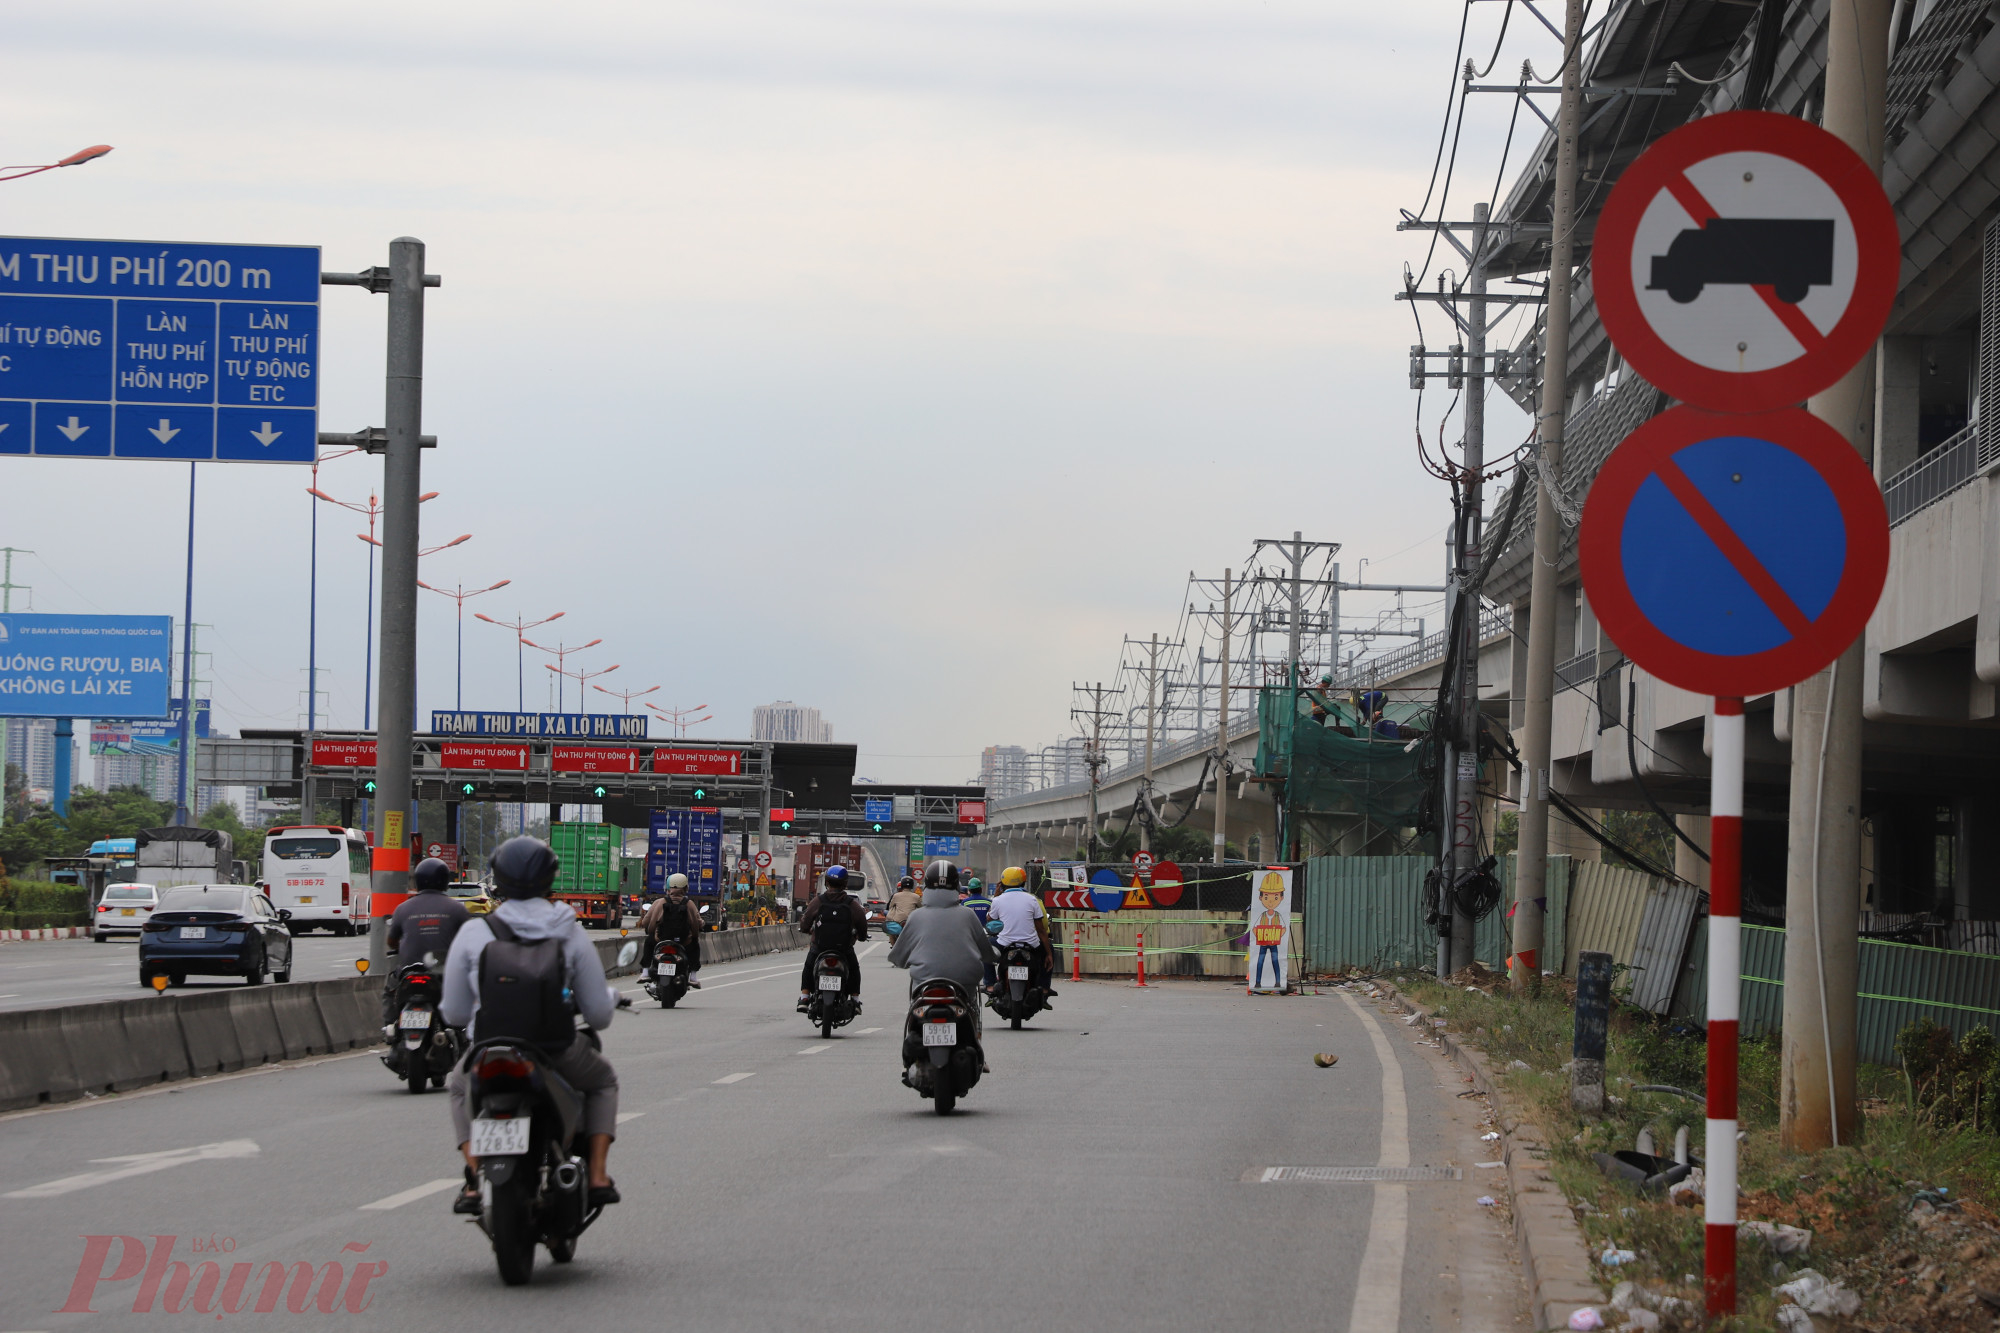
(318, 873)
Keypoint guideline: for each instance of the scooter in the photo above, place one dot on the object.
(422, 1046)
(1017, 997)
(830, 1006)
(942, 1059)
(667, 981)
(527, 1134)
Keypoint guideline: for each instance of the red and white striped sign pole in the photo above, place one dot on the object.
(1076, 954)
(1725, 955)
(1142, 958)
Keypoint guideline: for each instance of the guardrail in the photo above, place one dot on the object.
(1494, 621)
(1948, 468)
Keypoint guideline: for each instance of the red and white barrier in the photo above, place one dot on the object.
(1725, 966)
(1076, 954)
(1142, 958)
(48, 933)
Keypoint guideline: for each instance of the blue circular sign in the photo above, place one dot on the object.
(1107, 891)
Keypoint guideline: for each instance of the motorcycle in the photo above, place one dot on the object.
(667, 980)
(942, 1059)
(527, 1133)
(831, 1006)
(1017, 997)
(422, 1046)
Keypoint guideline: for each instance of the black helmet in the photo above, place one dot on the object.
(430, 876)
(941, 875)
(523, 867)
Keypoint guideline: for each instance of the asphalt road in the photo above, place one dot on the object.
(40, 974)
(1109, 1173)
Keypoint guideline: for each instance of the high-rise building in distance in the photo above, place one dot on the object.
(787, 721)
(1003, 770)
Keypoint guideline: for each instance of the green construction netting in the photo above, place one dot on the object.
(1356, 794)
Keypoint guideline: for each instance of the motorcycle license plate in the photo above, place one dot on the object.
(1017, 974)
(668, 970)
(940, 1034)
(419, 1019)
(829, 982)
(194, 932)
(499, 1138)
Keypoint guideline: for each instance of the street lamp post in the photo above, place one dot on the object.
(459, 595)
(520, 628)
(462, 538)
(372, 509)
(561, 652)
(76, 159)
(626, 695)
(581, 678)
(682, 718)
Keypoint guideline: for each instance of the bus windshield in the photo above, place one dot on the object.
(304, 849)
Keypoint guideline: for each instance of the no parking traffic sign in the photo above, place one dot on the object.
(1745, 262)
(1734, 555)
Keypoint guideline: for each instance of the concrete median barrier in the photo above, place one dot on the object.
(351, 1009)
(299, 1023)
(124, 1044)
(35, 1064)
(217, 1040)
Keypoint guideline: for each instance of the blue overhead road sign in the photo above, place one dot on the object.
(84, 666)
(138, 349)
(878, 809)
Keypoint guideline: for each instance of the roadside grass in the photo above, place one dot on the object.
(1855, 1199)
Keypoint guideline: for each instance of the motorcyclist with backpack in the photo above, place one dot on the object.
(835, 920)
(426, 922)
(523, 971)
(675, 918)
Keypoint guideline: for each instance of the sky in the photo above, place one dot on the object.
(899, 359)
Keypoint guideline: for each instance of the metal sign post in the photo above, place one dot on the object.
(1737, 545)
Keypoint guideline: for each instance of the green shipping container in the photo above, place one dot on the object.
(586, 852)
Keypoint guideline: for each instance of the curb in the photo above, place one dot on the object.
(48, 933)
(1555, 1260)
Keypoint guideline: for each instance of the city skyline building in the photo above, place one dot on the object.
(787, 721)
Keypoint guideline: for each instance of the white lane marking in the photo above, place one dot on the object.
(15, 996)
(815, 1050)
(623, 1116)
(1378, 1286)
(736, 1078)
(746, 981)
(138, 1164)
(751, 971)
(870, 949)
(422, 1191)
(862, 1032)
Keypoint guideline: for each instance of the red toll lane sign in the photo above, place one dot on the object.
(344, 754)
(699, 763)
(592, 759)
(1734, 555)
(486, 757)
(972, 812)
(1745, 262)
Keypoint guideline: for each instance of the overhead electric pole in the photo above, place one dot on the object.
(1094, 752)
(1816, 1098)
(7, 586)
(1146, 788)
(1531, 870)
(1222, 734)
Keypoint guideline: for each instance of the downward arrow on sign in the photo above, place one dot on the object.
(72, 432)
(266, 436)
(162, 432)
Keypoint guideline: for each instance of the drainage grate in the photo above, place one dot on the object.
(1272, 1175)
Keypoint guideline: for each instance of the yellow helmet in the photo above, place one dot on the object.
(1013, 877)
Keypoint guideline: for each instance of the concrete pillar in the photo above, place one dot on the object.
(1898, 379)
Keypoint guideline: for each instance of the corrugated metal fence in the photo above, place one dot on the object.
(1367, 911)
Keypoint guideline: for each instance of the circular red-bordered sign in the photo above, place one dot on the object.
(1745, 262)
(1734, 555)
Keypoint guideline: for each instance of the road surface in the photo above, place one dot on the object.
(40, 974)
(1107, 1174)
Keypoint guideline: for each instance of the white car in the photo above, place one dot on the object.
(123, 910)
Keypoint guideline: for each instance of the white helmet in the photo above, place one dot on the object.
(677, 881)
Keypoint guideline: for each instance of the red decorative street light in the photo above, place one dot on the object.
(459, 595)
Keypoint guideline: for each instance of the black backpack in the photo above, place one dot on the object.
(521, 992)
(834, 929)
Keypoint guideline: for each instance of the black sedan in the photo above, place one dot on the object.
(223, 930)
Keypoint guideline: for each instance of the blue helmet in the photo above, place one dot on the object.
(836, 877)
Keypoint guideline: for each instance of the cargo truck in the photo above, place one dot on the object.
(586, 880)
(182, 854)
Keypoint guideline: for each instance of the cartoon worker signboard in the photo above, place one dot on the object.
(1270, 930)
